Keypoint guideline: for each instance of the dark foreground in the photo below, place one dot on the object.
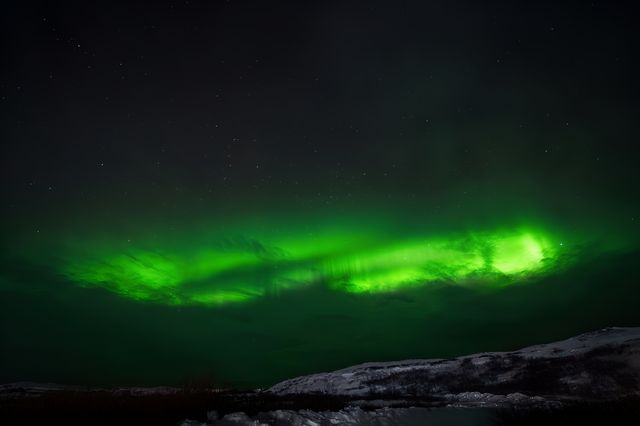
(104, 408)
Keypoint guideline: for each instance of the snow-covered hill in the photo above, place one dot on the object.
(603, 366)
(600, 364)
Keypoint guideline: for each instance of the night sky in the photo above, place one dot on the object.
(254, 190)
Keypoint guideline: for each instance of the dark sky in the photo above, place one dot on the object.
(262, 189)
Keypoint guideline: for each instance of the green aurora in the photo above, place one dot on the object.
(255, 191)
(237, 270)
(256, 297)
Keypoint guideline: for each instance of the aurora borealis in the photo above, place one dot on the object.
(256, 191)
(238, 270)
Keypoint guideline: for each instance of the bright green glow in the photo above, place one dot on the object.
(519, 253)
(146, 275)
(453, 260)
(220, 271)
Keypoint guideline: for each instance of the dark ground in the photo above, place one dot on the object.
(103, 408)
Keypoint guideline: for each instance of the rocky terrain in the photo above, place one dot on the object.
(600, 364)
(601, 367)
(408, 416)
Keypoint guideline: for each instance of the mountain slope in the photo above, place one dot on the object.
(600, 364)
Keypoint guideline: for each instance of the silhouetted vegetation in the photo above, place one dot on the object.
(203, 382)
